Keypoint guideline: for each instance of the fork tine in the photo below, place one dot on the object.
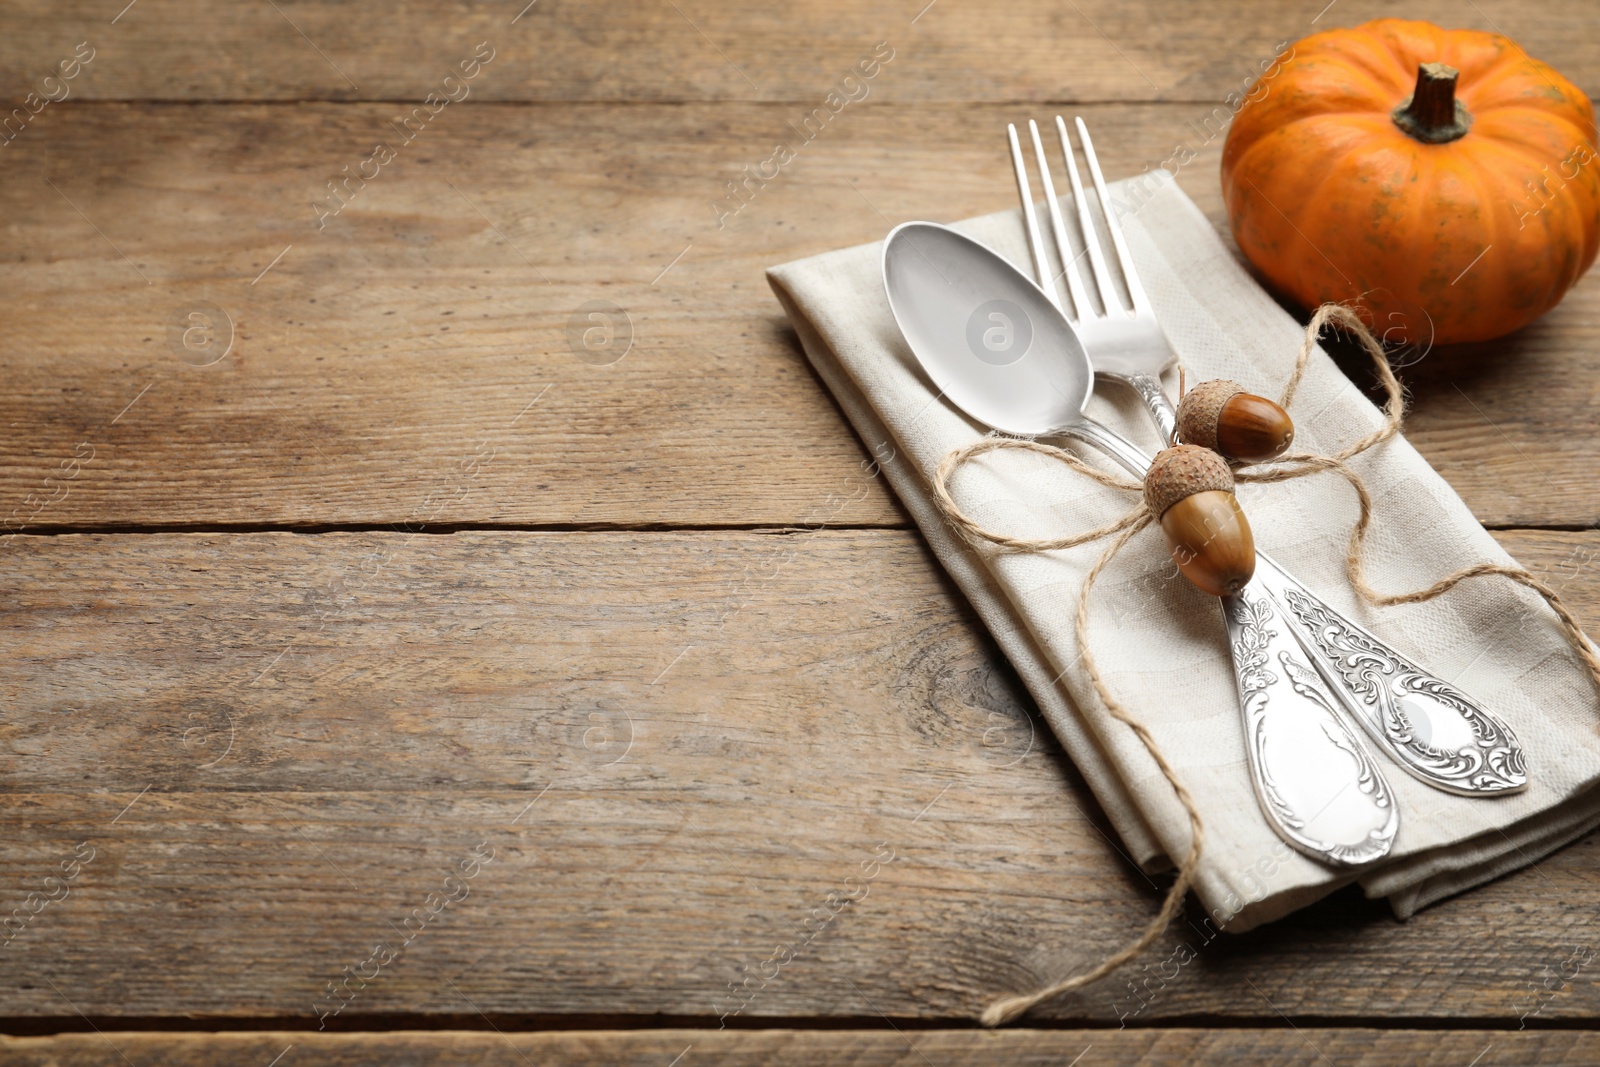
(1069, 266)
(1091, 238)
(1136, 291)
(1041, 266)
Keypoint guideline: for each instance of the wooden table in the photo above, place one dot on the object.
(358, 598)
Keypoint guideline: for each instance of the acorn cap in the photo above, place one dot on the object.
(1201, 410)
(1182, 471)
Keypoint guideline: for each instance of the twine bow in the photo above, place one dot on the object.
(1282, 469)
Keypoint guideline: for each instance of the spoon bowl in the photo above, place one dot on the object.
(990, 339)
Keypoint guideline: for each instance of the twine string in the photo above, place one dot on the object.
(1123, 530)
(975, 532)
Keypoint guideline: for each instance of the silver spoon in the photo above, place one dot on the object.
(998, 348)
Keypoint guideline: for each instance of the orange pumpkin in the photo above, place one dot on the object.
(1452, 208)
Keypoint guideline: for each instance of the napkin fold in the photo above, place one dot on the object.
(1160, 643)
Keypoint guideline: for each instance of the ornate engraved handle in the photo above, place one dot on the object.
(1429, 727)
(1432, 729)
(1314, 778)
(1162, 413)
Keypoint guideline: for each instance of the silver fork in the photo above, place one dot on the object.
(1431, 729)
(1126, 344)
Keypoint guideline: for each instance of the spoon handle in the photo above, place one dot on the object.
(1315, 781)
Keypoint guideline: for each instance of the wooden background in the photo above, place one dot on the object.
(410, 572)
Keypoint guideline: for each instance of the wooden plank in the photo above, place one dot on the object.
(259, 754)
(452, 680)
(382, 367)
(1350, 1047)
(715, 49)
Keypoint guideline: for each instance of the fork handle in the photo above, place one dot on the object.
(1148, 386)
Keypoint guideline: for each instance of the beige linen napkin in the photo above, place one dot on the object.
(1159, 642)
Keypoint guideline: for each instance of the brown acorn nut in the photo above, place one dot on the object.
(1190, 489)
(1221, 416)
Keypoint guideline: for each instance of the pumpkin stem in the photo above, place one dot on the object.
(1432, 114)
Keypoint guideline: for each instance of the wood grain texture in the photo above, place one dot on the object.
(233, 763)
(717, 49)
(676, 746)
(1352, 1047)
(382, 368)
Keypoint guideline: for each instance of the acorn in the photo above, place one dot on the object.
(1190, 489)
(1221, 416)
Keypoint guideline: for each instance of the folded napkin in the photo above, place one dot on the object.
(1161, 644)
